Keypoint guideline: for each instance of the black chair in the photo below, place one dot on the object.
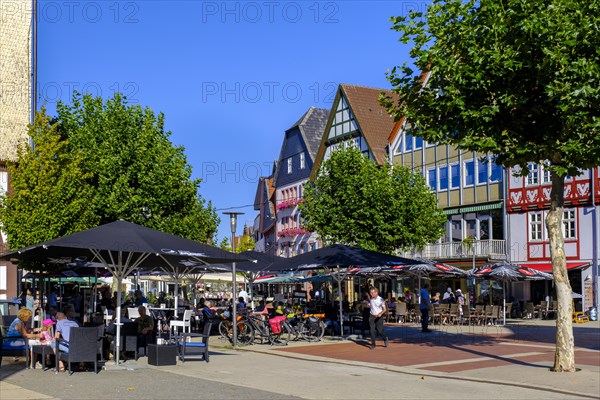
(83, 347)
(129, 338)
(183, 344)
(13, 351)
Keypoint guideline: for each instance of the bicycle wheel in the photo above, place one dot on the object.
(312, 332)
(286, 334)
(245, 333)
(225, 329)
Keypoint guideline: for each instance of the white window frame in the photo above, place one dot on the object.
(535, 220)
(452, 184)
(545, 173)
(407, 137)
(465, 162)
(570, 224)
(439, 178)
(486, 169)
(533, 178)
(302, 161)
(289, 165)
(435, 182)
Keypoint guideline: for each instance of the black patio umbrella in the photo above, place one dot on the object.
(254, 264)
(122, 247)
(340, 257)
(507, 272)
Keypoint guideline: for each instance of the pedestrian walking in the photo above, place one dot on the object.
(378, 309)
(424, 306)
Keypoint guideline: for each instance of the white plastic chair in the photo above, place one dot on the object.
(184, 323)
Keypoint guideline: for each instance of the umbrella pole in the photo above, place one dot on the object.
(176, 296)
(118, 311)
(338, 278)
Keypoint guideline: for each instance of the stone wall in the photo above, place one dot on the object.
(15, 74)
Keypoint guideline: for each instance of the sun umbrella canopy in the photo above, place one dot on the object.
(123, 247)
(106, 242)
(427, 268)
(509, 272)
(339, 255)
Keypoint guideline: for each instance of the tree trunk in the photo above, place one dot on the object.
(564, 357)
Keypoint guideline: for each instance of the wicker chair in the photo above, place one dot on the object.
(82, 345)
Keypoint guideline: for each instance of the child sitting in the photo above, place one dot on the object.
(46, 339)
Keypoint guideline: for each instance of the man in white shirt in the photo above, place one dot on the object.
(378, 310)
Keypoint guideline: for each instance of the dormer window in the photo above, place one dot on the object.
(289, 165)
(302, 161)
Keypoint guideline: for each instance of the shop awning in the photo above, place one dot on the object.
(470, 209)
(547, 267)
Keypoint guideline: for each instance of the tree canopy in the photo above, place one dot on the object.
(118, 164)
(355, 202)
(51, 194)
(516, 78)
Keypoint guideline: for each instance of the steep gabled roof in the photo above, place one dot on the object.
(264, 204)
(311, 126)
(374, 121)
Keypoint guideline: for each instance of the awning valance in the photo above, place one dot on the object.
(482, 207)
(547, 267)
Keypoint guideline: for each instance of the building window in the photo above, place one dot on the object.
(418, 142)
(533, 176)
(408, 142)
(455, 176)
(535, 225)
(469, 173)
(289, 165)
(302, 161)
(432, 178)
(444, 177)
(496, 173)
(482, 171)
(546, 176)
(569, 224)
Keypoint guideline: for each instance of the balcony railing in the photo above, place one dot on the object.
(493, 249)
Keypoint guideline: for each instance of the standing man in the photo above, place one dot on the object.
(424, 306)
(378, 309)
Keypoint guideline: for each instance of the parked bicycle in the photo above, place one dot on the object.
(308, 327)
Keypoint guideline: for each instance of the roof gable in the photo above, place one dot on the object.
(356, 111)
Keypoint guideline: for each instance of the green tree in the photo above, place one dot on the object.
(138, 174)
(516, 78)
(224, 244)
(101, 161)
(355, 202)
(51, 196)
(246, 242)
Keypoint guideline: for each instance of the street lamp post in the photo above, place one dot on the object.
(233, 222)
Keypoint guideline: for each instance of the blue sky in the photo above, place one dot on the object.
(230, 77)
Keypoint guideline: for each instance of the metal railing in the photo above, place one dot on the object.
(495, 249)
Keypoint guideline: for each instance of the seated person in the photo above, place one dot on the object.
(63, 334)
(47, 339)
(18, 333)
(261, 308)
(241, 305)
(332, 318)
(145, 326)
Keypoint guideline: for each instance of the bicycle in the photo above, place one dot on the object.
(253, 327)
(311, 328)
